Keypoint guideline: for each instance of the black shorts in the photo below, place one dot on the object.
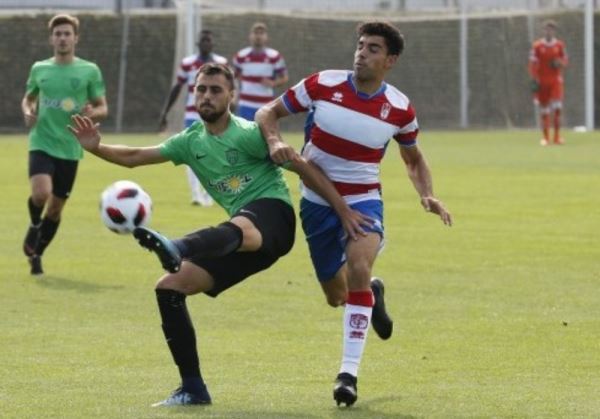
(61, 171)
(276, 221)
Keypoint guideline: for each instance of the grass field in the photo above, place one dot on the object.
(498, 316)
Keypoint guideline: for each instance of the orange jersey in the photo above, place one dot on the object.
(546, 60)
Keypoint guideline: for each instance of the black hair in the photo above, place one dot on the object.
(394, 40)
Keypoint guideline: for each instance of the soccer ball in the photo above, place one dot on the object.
(124, 205)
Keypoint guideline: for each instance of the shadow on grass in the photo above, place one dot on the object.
(61, 284)
(205, 411)
(362, 409)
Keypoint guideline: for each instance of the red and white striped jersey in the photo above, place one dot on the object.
(251, 67)
(186, 74)
(350, 131)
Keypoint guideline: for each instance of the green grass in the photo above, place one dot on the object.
(497, 316)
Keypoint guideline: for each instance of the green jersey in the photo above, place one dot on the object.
(233, 167)
(62, 90)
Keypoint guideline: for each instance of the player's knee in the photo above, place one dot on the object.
(40, 197)
(336, 299)
(171, 282)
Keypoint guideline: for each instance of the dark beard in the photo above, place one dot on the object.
(210, 115)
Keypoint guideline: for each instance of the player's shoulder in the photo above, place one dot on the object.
(242, 123)
(396, 98)
(189, 60)
(219, 59)
(84, 63)
(272, 52)
(538, 43)
(48, 62)
(244, 52)
(331, 78)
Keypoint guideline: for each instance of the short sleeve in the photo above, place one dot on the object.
(96, 86)
(32, 87)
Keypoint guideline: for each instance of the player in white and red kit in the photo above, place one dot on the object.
(547, 58)
(354, 116)
(186, 76)
(258, 70)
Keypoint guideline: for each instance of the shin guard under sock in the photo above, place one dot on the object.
(35, 212)
(47, 232)
(181, 337)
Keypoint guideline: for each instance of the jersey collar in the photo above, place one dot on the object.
(364, 95)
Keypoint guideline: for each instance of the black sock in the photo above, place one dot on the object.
(211, 242)
(181, 338)
(47, 231)
(35, 212)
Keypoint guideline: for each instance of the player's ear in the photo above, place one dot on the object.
(390, 60)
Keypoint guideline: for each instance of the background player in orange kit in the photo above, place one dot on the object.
(547, 58)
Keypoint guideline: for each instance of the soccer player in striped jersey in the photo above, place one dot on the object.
(547, 59)
(354, 116)
(258, 70)
(186, 76)
(231, 158)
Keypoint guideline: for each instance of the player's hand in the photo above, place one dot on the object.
(86, 131)
(436, 206)
(30, 118)
(535, 86)
(353, 223)
(281, 152)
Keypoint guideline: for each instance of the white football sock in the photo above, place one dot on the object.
(356, 325)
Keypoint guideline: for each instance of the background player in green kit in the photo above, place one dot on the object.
(230, 157)
(57, 88)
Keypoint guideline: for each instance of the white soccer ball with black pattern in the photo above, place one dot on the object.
(124, 205)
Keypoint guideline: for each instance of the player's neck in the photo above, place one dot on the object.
(64, 58)
(219, 126)
(367, 87)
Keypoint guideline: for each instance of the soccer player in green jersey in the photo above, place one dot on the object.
(57, 88)
(231, 159)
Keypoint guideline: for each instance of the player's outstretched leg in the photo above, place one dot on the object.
(381, 321)
(345, 390)
(169, 255)
(182, 398)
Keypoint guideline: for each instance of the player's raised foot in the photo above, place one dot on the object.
(35, 262)
(182, 398)
(31, 239)
(559, 141)
(544, 142)
(344, 390)
(166, 251)
(381, 321)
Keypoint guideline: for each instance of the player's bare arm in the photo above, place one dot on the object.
(313, 177)
(420, 175)
(267, 119)
(29, 109)
(173, 95)
(97, 109)
(88, 134)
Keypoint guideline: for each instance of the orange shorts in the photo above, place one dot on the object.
(549, 92)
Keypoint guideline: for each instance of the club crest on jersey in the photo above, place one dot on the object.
(337, 97)
(232, 156)
(385, 110)
(359, 321)
(75, 83)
